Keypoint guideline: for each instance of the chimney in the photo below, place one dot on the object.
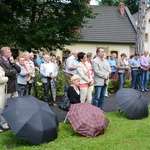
(121, 9)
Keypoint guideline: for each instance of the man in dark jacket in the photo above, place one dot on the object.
(11, 71)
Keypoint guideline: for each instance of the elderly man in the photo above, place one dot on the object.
(101, 75)
(11, 70)
(48, 71)
(71, 67)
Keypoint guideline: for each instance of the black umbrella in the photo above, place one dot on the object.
(31, 119)
(133, 103)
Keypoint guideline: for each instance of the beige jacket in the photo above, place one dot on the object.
(3, 81)
(121, 66)
(82, 71)
(101, 71)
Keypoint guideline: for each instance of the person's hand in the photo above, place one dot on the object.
(52, 76)
(91, 83)
(12, 60)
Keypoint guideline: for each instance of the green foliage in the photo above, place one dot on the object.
(37, 24)
(122, 133)
(40, 90)
(133, 5)
(113, 85)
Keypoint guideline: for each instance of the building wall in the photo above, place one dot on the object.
(91, 47)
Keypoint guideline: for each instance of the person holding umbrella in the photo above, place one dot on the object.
(48, 71)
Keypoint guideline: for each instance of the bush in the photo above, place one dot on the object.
(60, 82)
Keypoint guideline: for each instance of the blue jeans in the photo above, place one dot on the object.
(98, 99)
(135, 79)
(144, 79)
(121, 79)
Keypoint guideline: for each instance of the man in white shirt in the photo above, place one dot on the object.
(71, 67)
(48, 71)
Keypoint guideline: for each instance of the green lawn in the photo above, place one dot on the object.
(122, 133)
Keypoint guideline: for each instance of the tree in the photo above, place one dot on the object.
(38, 24)
(132, 4)
(139, 48)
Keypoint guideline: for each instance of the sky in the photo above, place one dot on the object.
(93, 2)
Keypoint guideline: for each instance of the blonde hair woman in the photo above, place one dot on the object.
(3, 81)
(73, 91)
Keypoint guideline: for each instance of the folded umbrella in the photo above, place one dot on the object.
(31, 119)
(133, 103)
(87, 119)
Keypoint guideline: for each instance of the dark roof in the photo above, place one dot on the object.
(109, 26)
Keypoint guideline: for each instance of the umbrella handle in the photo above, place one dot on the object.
(140, 96)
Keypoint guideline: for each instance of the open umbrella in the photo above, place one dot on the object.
(87, 119)
(31, 119)
(133, 103)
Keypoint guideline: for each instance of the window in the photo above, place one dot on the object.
(65, 54)
(146, 37)
(148, 20)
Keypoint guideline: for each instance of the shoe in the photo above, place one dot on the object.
(142, 90)
(1, 130)
(5, 126)
(146, 89)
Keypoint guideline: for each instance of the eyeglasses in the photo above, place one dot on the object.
(85, 57)
(8, 52)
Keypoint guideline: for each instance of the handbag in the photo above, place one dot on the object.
(64, 104)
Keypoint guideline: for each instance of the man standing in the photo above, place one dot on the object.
(71, 68)
(48, 71)
(135, 71)
(101, 70)
(11, 71)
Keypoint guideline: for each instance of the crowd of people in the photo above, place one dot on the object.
(83, 73)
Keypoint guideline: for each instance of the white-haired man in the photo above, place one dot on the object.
(71, 67)
(48, 71)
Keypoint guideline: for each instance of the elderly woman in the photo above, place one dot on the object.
(73, 91)
(3, 81)
(84, 71)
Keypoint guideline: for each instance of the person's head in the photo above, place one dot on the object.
(31, 56)
(89, 55)
(75, 53)
(6, 52)
(82, 57)
(41, 54)
(146, 52)
(113, 56)
(136, 55)
(46, 58)
(21, 60)
(131, 56)
(100, 52)
(75, 80)
(26, 55)
(123, 56)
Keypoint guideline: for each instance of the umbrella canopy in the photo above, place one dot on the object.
(87, 119)
(31, 119)
(133, 103)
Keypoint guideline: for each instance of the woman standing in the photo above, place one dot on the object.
(122, 68)
(3, 81)
(85, 73)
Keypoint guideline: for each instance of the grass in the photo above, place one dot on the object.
(122, 133)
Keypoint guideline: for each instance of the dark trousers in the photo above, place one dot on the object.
(47, 87)
(22, 90)
(135, 79)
